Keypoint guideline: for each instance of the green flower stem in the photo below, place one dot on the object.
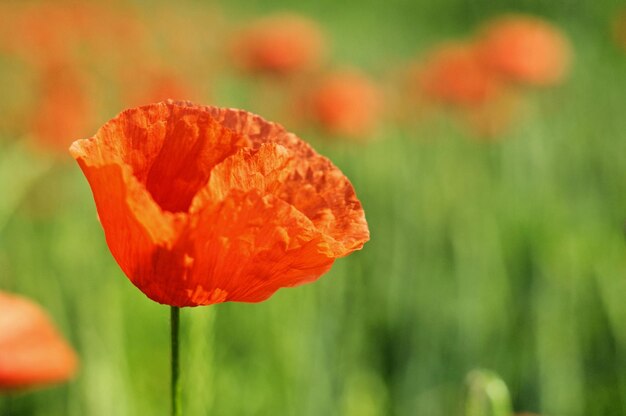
(176, 390)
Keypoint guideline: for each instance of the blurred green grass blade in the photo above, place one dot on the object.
(487, 395)
(20, 169)
(198, 361)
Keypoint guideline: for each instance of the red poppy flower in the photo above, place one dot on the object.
(202, 205)
(525, 49)
(346, 103)
(32, 352)
(453, 74)
(284, 43)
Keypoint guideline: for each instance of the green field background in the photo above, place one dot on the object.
(507, 255)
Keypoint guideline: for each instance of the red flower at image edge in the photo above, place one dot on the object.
(32, 352)
(202, 205)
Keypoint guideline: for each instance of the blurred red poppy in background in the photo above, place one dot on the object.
(525, 49)
(38, 32)
(619, 29)
(202, 205)
(453, 74)
(282, 44)
(43, 32)
(32, 352)
(58, 42)
(346, 103)
(149, 84)
(63, 112)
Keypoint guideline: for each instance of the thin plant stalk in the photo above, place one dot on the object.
(176, 388)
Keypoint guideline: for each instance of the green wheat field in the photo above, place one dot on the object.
(506, 255)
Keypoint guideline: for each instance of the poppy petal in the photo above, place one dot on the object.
(253, 245)
(245, 243)
(171, 149)
(133, 223)
(31, 350)
(316, 187)
(202, 205)
(264, 170)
